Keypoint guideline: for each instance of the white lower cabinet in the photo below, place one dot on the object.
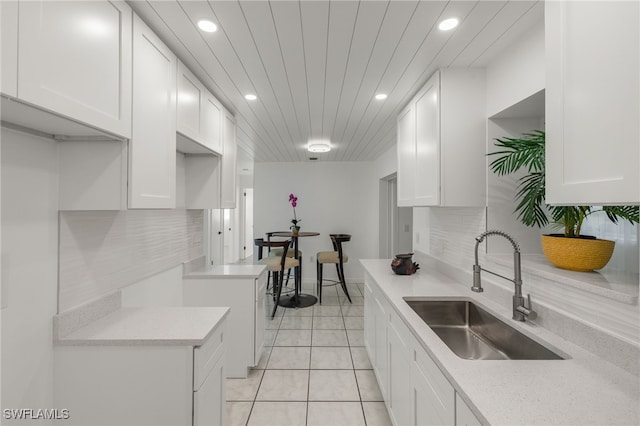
(464, 415)
(246, 321)
(381, 363)
(142, 384)
(433, 396)
(209, 400)
(369, 323)
(400, 373)
(414, 389)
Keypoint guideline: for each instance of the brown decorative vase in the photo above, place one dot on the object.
(403, 264)
(577, 254)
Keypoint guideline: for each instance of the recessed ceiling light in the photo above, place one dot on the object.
(250, 97)
(207, 26)
(319, 146)
(448, 24)
(381, 96)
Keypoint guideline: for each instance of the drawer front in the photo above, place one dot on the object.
(206, 355)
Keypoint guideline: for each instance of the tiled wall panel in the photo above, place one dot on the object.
(452, 234)
(106, 250)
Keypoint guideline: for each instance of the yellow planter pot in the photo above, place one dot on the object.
(577, 254)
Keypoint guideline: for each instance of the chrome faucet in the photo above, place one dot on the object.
(520, 310)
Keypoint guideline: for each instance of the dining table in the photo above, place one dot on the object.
(298, 299)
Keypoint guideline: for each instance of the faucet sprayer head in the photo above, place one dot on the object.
(514, 243)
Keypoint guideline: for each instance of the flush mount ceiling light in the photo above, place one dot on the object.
(448, 24)
(250, 97)
(319, 146)
(381, 96)
(207, 26)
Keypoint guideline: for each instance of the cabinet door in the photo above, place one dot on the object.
(190, 103)
(381, 365)
(209, 401)
(75, 59)
(152, 151)
(228, 183)
(427, 169)
(9, 39)
(213, 114)
(260, 318)
(433, 397)
(369, 322)
(239, 295)
(406, 156)
(464, 415)
(400, 401)
(593, 125)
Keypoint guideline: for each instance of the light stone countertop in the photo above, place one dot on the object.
(227, 271)
(185, 326)
(582, 389)
(615, 285)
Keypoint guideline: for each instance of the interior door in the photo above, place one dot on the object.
(247, 219)
(214, 232)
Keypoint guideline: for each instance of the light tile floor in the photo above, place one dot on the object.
(314, 371)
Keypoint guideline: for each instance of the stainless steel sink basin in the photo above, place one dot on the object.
(473, 333)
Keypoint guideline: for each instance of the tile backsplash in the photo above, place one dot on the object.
(102, 251)
(448, 234)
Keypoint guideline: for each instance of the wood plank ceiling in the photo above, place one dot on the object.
(317, 65)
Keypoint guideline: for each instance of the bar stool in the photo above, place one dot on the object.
(339, 258)
(278, 252)
(276, 265)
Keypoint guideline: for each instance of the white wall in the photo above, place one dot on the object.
(502, 189)
(387, 163)
(29, 268)
(518, 72)
(103, 251)
(448, 233)
(333, 197)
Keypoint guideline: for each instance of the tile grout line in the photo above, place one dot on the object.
(313, 322)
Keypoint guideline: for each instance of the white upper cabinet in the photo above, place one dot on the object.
(592, 125)
(406, 156)
(427, 140)
(212, 118)
(9, 39)
(152, 150)
(190, 100)
(228, 182)
(441, 142)
(199, 112)
(75, 60)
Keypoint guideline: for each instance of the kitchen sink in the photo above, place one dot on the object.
(473, 333)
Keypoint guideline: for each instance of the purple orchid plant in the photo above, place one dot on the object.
(294, 202)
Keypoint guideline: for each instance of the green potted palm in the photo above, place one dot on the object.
(570, 249)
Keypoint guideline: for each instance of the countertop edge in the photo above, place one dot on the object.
(219, 316)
